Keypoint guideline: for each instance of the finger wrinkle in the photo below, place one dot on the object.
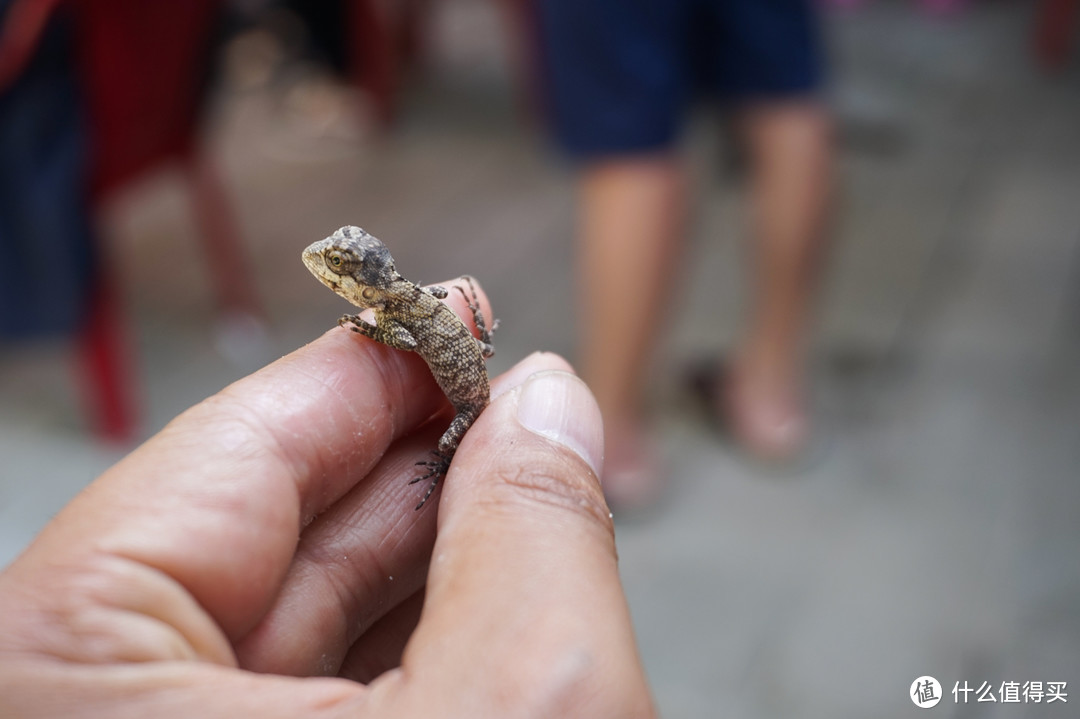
(109, 607)
(334, 389)
(362, 431)
(518, 484)
(357, 602)
(313, 458)
(365, 357)
(265, 439)
(394, 537)
(334, 556)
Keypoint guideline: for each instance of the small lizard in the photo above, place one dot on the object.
(358, 267)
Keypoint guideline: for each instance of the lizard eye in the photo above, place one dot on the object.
(368, 293)
(335, 259)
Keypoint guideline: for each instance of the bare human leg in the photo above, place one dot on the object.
(790, 153)
(632, 216)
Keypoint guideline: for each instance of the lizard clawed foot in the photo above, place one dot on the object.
(359, 325)
(437, 469)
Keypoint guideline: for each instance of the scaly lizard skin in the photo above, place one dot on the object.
(357, 266)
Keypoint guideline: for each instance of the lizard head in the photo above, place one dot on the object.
(354, 264)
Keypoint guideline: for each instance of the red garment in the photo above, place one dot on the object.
(144, 67)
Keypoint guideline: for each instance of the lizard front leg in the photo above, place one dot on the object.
(388, 332)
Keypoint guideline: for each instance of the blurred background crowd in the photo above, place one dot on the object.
(818, 262)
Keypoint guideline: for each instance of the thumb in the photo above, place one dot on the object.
(524, 607)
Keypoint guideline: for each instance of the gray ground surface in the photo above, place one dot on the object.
(932, 532)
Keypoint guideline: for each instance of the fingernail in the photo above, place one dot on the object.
(559, 406)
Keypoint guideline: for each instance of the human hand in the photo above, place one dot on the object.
(260, 556)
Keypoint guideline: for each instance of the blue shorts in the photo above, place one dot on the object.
(619, 74)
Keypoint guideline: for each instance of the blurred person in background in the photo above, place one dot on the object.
(94, 97)
(620, 78)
